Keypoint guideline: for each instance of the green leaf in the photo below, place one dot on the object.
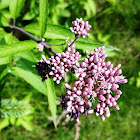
(27, 125)
(90, 8)
(29, 16)
(26, 70)
(3, 72)
(6, 13)
(61, 33)
(59, 49)
(14, 108)
(4, 69)
(22, 46)
(12, 120)
(51, 98)
(7, 38)
(52, 32)
(5, 60)
(43, 15)
(91, 46)
(2, 33)
(15, 7)
(62, 10)
(4, 123)
(64, 13)
(3, 21)
(26, 122)
(57, 32)
(86, 44)
(28, 55)
(10, 39)
(138, 81)
(27, 98)
(4, 4)
(33, 10)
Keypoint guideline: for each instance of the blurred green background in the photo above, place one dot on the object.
(114, 22)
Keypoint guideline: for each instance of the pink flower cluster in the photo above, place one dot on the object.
(74, 103)
(62, 62)
(96, 79)
(40, 47)
(80, 27)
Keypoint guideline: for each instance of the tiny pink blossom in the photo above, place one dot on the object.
(80, 27)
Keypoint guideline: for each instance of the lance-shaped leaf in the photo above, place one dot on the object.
(5, 60)
(4, 4)
(91, 46)
(8, 50)
(52, 32)
(3, 21)
(25, 70)
(51, 98)
(43, 15)
(14, 108)
(83, 45)
(60, 33)
(4, 123)
(15, 7)
(2, 33)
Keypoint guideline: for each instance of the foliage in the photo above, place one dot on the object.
(115, 23)
(8, 50)
(51, 98)
(43, 11)
(15, 7)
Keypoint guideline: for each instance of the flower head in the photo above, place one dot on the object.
(58, 65)
(80, 27)
(40, 47)
(97, 80)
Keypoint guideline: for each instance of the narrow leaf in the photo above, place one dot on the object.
(91, 46)
(4, 4)
(43, 15)
(61, 33)
(2, 33)
(4, 123)
(51, 98)
(5, 60)
(25, 70)
(92, 6)
(52, 32)
(12, 120)
(8, 50)
(3, 72)
(3, 21)
(60, 48)
(57, 32)
(10, 39)
(26, 123)
(15, 7)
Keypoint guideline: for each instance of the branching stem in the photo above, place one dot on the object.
(74, 40)
(34, 38)
(56, 44)
(26, 33)
(49, 48)
(46, 45)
